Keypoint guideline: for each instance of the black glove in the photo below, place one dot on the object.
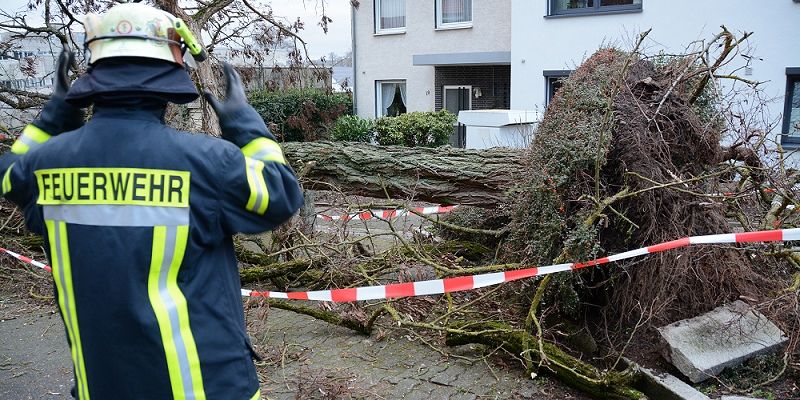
(239, 122)
(57, 115)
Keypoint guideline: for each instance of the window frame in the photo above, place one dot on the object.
(792, 77)
(438, 11)
(456, 87)
(379, 94)
(595, 9)
(553, 74)
(377, 17)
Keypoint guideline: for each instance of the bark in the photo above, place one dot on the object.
(275, 270)
(441, 175)
(327, 316)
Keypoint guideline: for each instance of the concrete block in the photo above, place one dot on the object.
(727, 336)
(663, 386)
(250, 246)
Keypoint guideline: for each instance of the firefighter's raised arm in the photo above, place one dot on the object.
(56, 117)
(260, 190)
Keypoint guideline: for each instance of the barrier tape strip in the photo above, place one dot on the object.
(461, 283)
(27, 260)
(396, 213)
(386, 214)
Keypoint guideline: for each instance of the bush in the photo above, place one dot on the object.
(416, 129)
(351, 128)
(300, 115)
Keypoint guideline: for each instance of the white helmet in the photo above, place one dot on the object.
(138, 30)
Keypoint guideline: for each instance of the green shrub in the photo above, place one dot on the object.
(300, 115)
(416, 129)
(352, 128)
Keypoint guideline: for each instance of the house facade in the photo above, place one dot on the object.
(423, 55)
(552, 37)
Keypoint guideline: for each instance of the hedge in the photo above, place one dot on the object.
(299, 115)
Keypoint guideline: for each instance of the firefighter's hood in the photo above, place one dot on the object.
(121, 79)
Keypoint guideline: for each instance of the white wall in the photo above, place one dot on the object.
(389, 57)
(562, 43)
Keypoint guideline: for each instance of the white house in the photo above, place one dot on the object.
(424, 50)
(551, 37)
(423, 55)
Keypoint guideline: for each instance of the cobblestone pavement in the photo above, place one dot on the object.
(307, 358)
(304, 359)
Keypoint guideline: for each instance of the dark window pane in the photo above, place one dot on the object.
(794, 110)
(451, 100)
(619, 2)
(561, 5)
(456, 99)
(554, 83)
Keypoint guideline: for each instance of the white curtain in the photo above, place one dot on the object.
(392, 14)
(402, 87)
(387, 96)
(456, 11)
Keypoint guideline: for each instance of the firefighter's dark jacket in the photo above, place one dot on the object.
(138, 219)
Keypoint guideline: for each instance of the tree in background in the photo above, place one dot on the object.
(252, 28)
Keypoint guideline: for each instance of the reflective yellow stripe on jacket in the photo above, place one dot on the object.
(172, 314)
(264, 149)
(259, 194)
(7, 181)
(31, 138)
(62, 274)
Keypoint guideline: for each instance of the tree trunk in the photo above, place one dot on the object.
(204, 75)
(441, 175)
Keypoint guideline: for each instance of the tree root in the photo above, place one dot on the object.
(568, 369)
(327, 316)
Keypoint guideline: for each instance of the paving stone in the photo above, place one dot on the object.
(661, 385)
(406, 385)
(528, 391)
(701, 347)
(463, 396)
(446, 377)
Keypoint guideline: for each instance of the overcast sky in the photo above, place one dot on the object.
(337, 40)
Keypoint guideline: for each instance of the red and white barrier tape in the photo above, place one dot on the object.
(449, 285)
(27, 260)
(386, 214)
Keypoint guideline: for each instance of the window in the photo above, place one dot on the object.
(453, 14)
(457, 98)
(567, 7)
(390, 16)
(791, 111)
(553, 82)
(390, 98)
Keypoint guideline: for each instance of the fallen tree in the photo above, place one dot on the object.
(628, 154)
(441, 175)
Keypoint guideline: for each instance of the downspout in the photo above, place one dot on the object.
(355, 57)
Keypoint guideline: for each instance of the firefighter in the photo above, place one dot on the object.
(139, 217)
